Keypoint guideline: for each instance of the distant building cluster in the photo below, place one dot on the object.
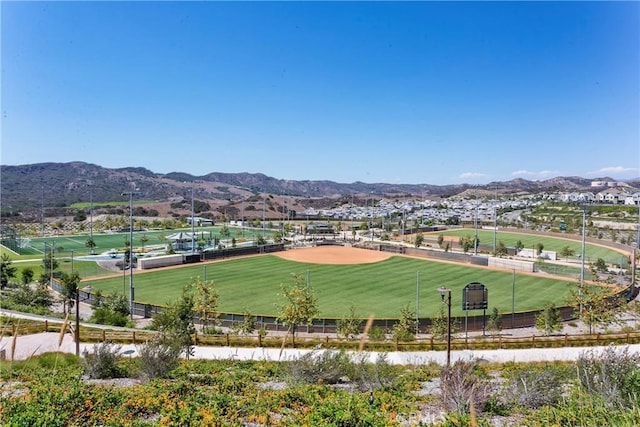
(469, 210)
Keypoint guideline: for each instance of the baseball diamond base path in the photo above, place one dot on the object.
(332, 254)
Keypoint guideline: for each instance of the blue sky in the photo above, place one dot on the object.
(395, 92)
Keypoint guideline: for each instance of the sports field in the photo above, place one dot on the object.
(530, 241)
(35, 247)
(380, 288)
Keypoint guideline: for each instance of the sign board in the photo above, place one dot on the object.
(563, 226)
(475, 297)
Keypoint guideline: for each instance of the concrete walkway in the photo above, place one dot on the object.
(26, 346)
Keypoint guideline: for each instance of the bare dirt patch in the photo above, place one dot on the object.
(330, 254)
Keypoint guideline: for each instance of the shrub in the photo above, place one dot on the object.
(158, 357)
(329, 367)
(376, 333)
(533, 387)
(104, 316)
(461, 387)
(369, 376)
(102, 363)
(613, 375)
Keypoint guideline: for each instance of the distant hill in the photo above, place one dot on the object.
(62, 184)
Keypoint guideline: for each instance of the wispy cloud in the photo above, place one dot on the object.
(535, 174)
(472, 175)
(613, 170)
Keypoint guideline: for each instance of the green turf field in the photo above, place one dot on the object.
(380, 288)
(592, 252)
(105, 242)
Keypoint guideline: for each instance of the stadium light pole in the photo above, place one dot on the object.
(417, 302)
(91, 217)
(446, 292)
(582, 253)
(42, 210)
(636, 249)
(193, 220)
(475, 241)
(131, 288)
(495, 221)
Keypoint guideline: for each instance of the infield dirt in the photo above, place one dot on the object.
(331, 254)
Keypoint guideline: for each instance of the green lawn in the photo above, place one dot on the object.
(105, 242)
(592, 252)
(380, 289)
(84, 268)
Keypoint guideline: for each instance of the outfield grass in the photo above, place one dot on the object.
(530, 241)
(381, 289)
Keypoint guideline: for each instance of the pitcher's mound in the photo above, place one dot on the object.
(330, 254)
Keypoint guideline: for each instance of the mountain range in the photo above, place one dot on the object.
(62, 184)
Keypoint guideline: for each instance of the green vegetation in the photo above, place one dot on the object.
(87, 205)
(77, 243)
(300, 307)
(549, 243)
(379, 288)
(597, 389)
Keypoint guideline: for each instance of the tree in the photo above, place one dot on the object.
(495, 321)
(566, 252)
(248, 324)
(49, 262)
(501, 249)
(301, 306)
(176, 322)
(27, 275)
(519, 246)
(91, 244)
(548, 320)
(111, 310)
(7, 270)
(601, 265)
(453, 220)
(439, 324)
(595, 306)
(440, 240)
(539, 249)
(206, 300)
(69, 289)
(350, 325)
(40, 297)
(419, 240)
(466, 242)
(404, 329)
(143, 240)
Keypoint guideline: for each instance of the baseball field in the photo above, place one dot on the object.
(374, 282)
